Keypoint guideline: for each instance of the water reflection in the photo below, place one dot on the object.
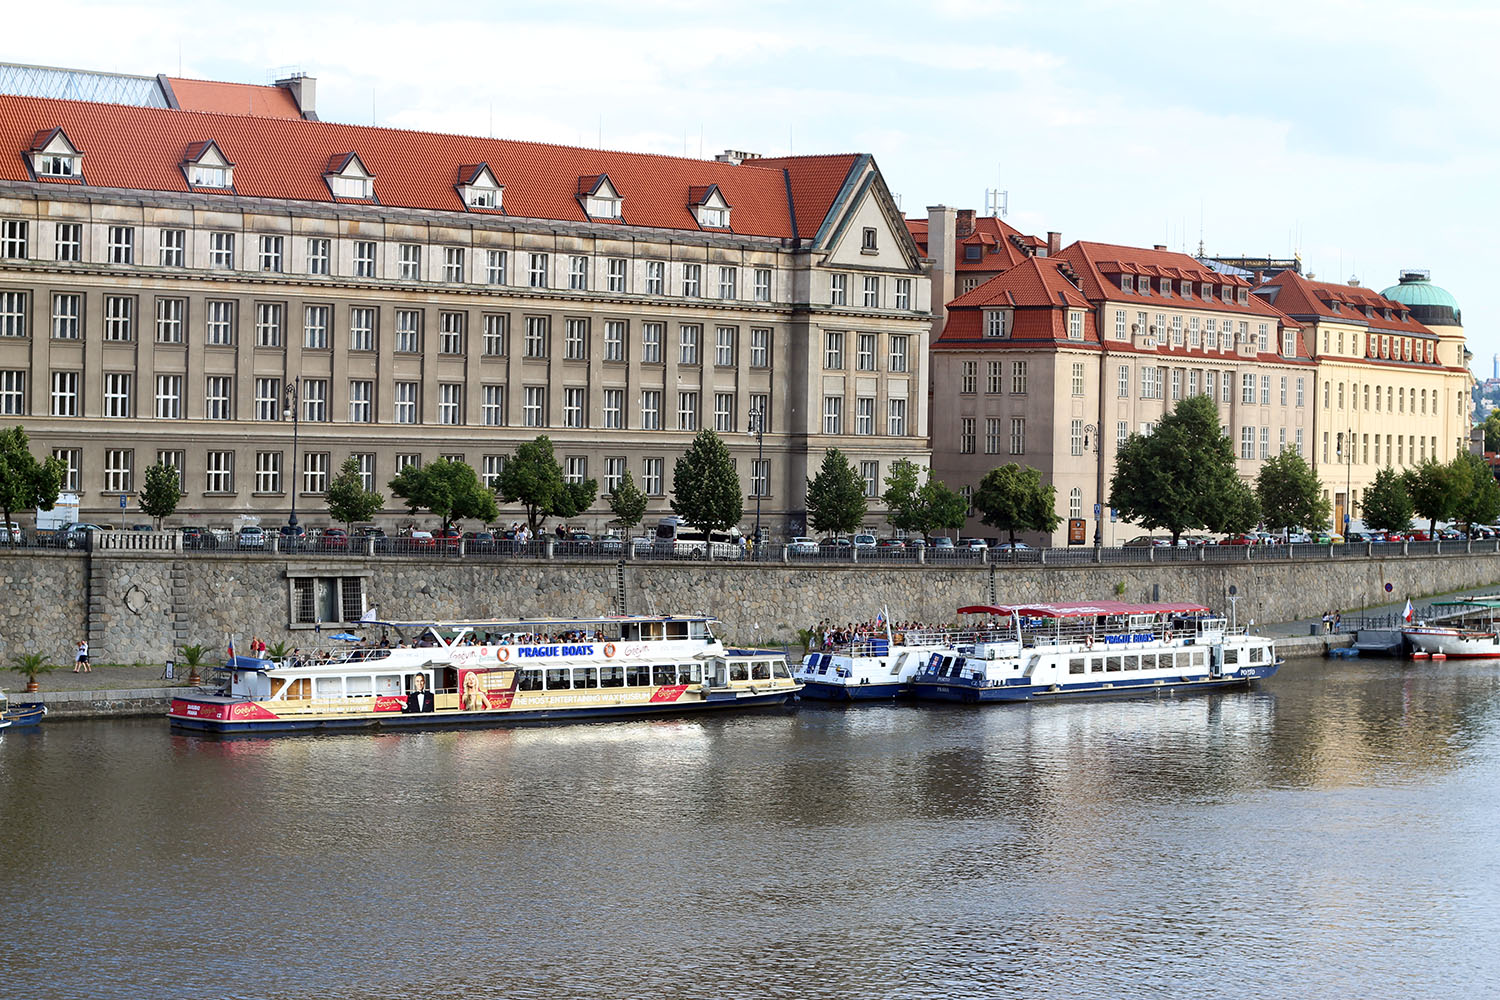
(1324, 834)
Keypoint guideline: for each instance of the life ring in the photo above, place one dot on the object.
(502, 654)
(1088, 642)
(609, 649)
(1167, 635)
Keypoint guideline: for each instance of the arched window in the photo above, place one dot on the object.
(1075, 502)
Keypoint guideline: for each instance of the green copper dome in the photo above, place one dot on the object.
(1430, 304)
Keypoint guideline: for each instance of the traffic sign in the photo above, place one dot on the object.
(1098, 509)
(122, 501)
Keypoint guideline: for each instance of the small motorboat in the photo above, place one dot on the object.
(27, 714)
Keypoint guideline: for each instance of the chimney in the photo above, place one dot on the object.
(1159, 246)
(1257, 277)
(304, 90)
(963, 223)
(942, 248)
(736, 156)
(1054, 243)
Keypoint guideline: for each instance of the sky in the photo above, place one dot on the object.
(1358, 135)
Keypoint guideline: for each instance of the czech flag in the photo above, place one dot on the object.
(1408, 614)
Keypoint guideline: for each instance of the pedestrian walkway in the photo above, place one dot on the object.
(1303, 626)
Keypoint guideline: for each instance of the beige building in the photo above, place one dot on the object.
(177, 281)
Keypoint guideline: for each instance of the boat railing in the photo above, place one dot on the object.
(881, 645)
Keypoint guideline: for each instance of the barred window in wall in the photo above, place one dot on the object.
(1077, 382)
(1075, 324)
(760, 347)
(656, 277)
(652, 476)
(221, 251)
(364, 259)
(1075, 437)
(1122, 432)
(361, 329)
(896, 417)
(992, 435)
(575, 406)
(651, 410)
(1123, 383)
(1017, 436)
(1247, 388)
(177, 462)
(409, 262)
(120, 248)
(408, 331)
(1226, 387)
(267, 323)
(1247, 442)
(578, 273)
(838, 291)
(69, 242)
(360, 393)
(315, 472)
(216, 398)
(1265, 442)
(692, 280)
(536, 270)
(724, 353)
(534, 406)
(613, 410)
(270, 253)
(899, 352)
(760, 476)
(833, 414)
(72, 460)
(724, 411)
(687, 411)
(67, 310)
(903, 293)
(864, 415)
(451, 332)
(1176, 383)
(729, 283)
(688, 336)
(492, 406)
(760, 413)
(405, 397)
(218, 472)
(968, 378)
(13, 392)
(496, 327)
(872, 292)
(1018, 370)
(168, 398)
(119, 316)
(1177, 330)
(314, 327)
(614, 472)
(453, 264)
(1075, 502)
(575, 469)
(1193, 382)
(652, 336)
(327, 600)
(1265, 390)
(315, 399)
(614, 340)
(268, 399)
(576, 339)
(966, 435)
(994, 378)
(762, 284)
(317, 256)
(490, 470)
(119, 466)
(496, 266)
(64, 394)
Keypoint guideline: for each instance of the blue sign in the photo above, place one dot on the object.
(122, 501)
(1389, 588)
(1098, 509)
(1113, 515)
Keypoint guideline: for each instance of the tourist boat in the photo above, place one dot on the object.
(1470, 629)
(871, 667)
(28, 714)
(1029, 652)
(495, 673)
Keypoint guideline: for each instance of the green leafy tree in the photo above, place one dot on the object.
(1479, 500)
(1435, 488)
(1387, 505)
(161, 491)
(348, 500)
(628, 502)
(1183, 476)
(450, 490)
(25, 482)
(836, 496)
(1492, 431)
(903, 484)
(533, 479)
(1290, 494)
(28, 665)
(705, 487)
(1013, 498)
(940, 507)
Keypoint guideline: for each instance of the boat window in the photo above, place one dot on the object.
(779, 669)
(1132, 662)
(699, 630)
(359, 686)
(1148, 660)
(585, 677)
(299, 688)
(1255, 654)
(663, 673)
(630, 632)
(1111, 663)
(652, 630)
(1231, 656)
(388, 684)
(530, 680)
(823, 662)
(1076, 665)
(760, 670)
(281, 687)
(328, 687)
(1198, 659)
(677, 630)
(559, 679)
(1096, 664)
(611, 677)
(637, 675)
(739, 670)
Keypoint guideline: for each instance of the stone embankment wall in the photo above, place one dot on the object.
(139, 607)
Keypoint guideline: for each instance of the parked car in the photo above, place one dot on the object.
(1358, 536)
(293, 537)
(891, 543)
(836, 544)
(421, 540)
(334, 539)
(446, 540)
(80, 534)
(641, 543)
(916, 543)
(10, 531)
(611, 544)
(973, 544)
(1148, 542)
(479, 541)
(1239, 540)
(142, 527)
(864, 541)
(194, 537)
(1298, 538)
(1010, 547)
(251, 536)
(382, 542)
(943, 543)
(802, 546)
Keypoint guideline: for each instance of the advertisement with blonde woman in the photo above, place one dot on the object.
(472, 695)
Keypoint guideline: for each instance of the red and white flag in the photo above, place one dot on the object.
(1408, 613)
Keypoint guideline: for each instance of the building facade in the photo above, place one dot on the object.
(197, 287)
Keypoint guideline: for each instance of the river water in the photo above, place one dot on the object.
(1331, 833)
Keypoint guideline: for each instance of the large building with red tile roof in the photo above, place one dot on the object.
(176, 265)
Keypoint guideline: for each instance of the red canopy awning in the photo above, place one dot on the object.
(1086, 609)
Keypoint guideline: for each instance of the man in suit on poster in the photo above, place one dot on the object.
(420, 699)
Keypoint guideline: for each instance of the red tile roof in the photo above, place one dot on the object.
(234, 98)
(136, 148)
(1040, 295)
(1100, 264)
(1295, 295)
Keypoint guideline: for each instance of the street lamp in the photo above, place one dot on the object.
(1349, 487)
(290, 410)
(758, 419)
(1091, 433)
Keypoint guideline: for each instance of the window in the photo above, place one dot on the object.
(865, 357)
(833, 349)
(903, 293)
(118, 468)
(614, 340)
(872, 292)
(966, 442)
(360, 393)
(218, 323)
(407, 460)
(992, 436)
(315, 327)
(221, 251)
(996, 323)
(66, 312)
(838, 293)
(687, 342)
(1150, 382)
(315, 472)
(1018, 377)
(315, 399)
(651, 476)
(168, 398)
(268, 399)
(1299, 441)
(536, 336)
(1075, 502)
(576, 339)
(1017, 436)
(119, 313)
(492, 408)
(899, 352)
(575, 406)
(1122, 384)
(1078, 378)
(615, 270)
(1265, 442)
(1075, 324)
(364, 259)
(692, 280)
(578, 273)
(968, 382)
(729, 282)
(651, 410)
(1226, 387)
(450, 404)
(760, 413)
(216, 398)
(451, 333)
(317, 255)
(453, 264)
(406, 402)
(652, 335)
(361, 329)
(1247, 388)
(408, 331)
(575, 469)
(1283, 393)
(1301, 383)
(495, 329)
(687, 411)
(1177, 330)
(267, 322)
(270, 253)
(1075, 437)
(994, 378)
(72, 460)
(656, 277)
(64, 394)
(13, 242)
(896, 417)
(69, 242)
(365, 462)
(491, 471)
(409, 263)
(12, 392)
(117, 394)
(219, 472)
(534, 406)
(120, 248)
(724, 411)
(760, 477)
(495, 267)
(1247, 442)
(762, 284)
(614, 406)
(1265, 390)
(864, 415)
(833, 414)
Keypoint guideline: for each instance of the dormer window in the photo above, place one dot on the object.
(206, 166)
(599, 197)
(347, 177)
(478, 188)
(997, 323)
(1164, 285)
(973, 251)
(709, 206)
(1244, 296)
(1186, 288)
(54, 155)
(1127, 283)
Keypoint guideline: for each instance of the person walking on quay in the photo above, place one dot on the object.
(81, 657)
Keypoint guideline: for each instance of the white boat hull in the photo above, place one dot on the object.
(1453, 642)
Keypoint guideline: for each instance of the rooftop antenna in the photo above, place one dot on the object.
(492, 119)
(601, 130)
(372, 105)
(179, 57)
(700, 140)
(996, 203)
(1200, 227)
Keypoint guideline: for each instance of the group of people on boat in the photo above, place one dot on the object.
(827, 636)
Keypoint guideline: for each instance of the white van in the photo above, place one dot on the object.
(675, 536)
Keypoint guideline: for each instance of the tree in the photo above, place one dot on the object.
(628, 502)
(938, 506)
(1479, 500)
(161, 491)
(1434, 488)
(1183, 475)
(903, 483)
(836, 496)
(1013, 498)
(25, 483)
(450, 490)
(1290, 494)
(29, 665)
(348, 500)
(1492, 431)
(533, 479)
(1387, 504)
(705, 487)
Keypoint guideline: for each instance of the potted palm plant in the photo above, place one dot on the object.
(278, 653)
(193, 656)
(31, 664)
